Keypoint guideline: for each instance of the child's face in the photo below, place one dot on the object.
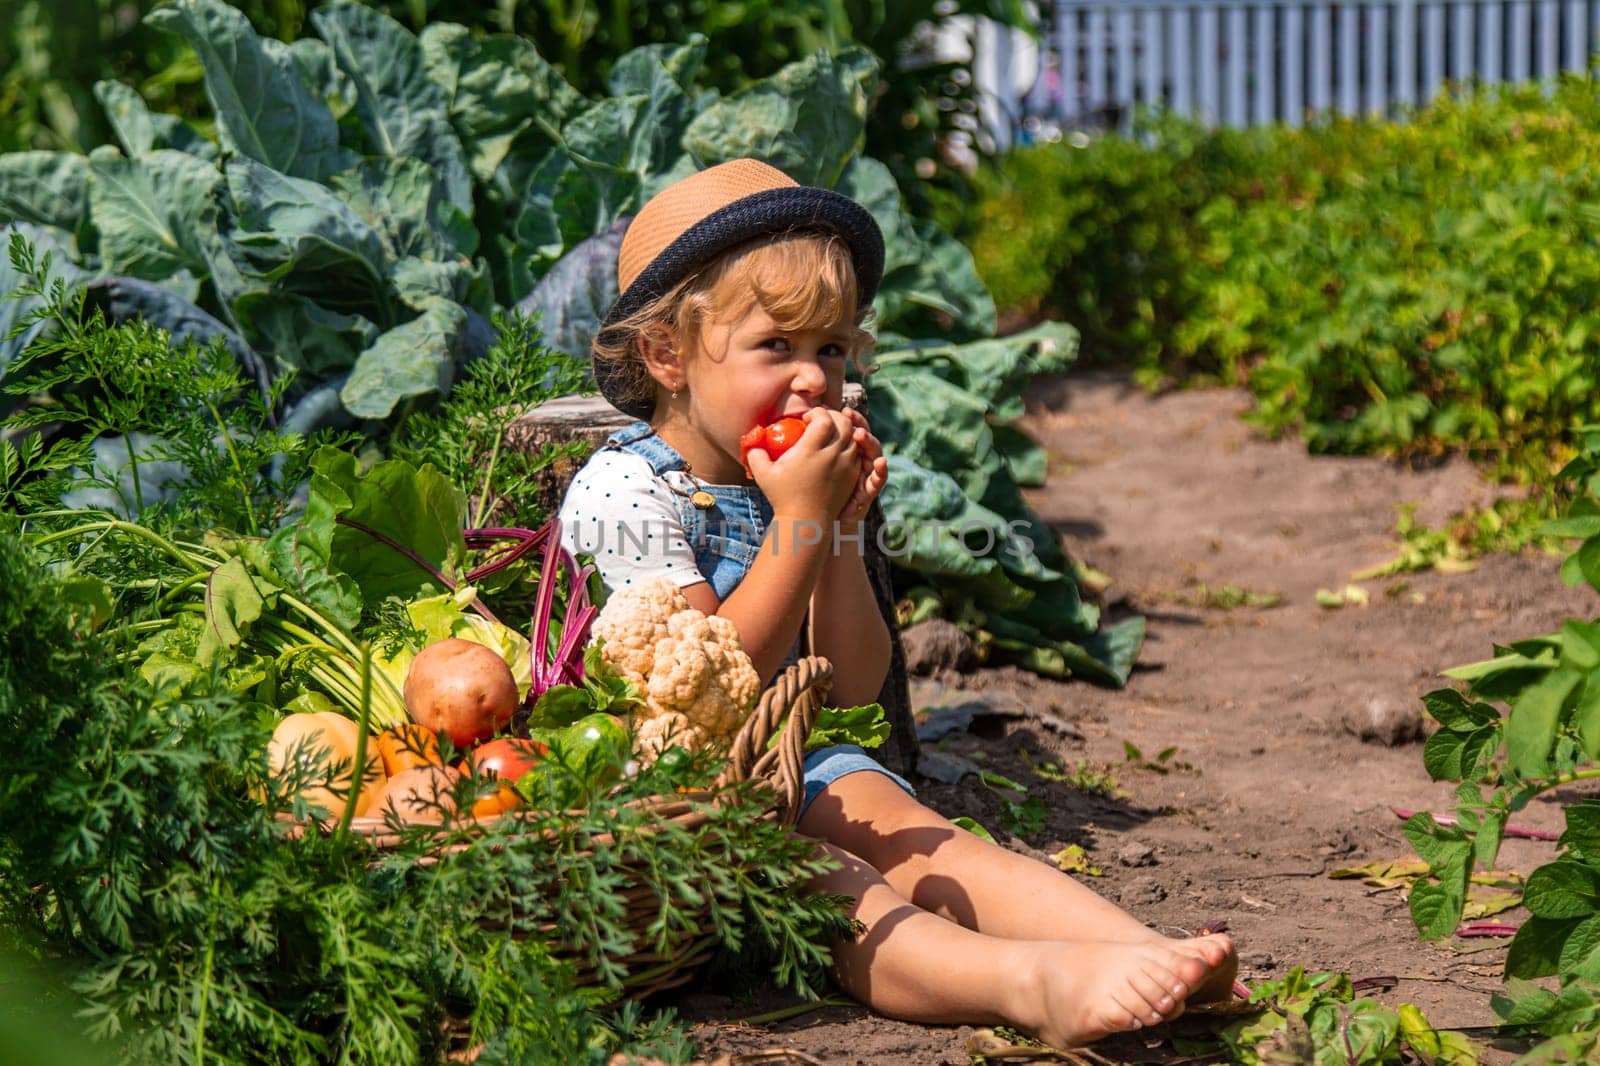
(746, 372)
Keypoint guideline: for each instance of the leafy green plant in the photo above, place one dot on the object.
(1020, 814)
(1089, 778)
(371, 193)
(1401, 288)
(53, 54)
(1319, 1018)
(1223, 597)
(1548, 738)
(969, 547)
(156, 428)
(1165, 760)
(466, 437)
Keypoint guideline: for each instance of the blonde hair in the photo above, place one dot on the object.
(804, 281)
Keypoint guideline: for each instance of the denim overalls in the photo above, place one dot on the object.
(725, 539)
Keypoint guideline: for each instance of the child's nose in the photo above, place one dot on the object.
(810, 379)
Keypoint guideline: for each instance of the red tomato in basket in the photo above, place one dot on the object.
(775, 439)
(507, 758)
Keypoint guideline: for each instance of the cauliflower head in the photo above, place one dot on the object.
(702, 672)
(698, 683)
(631, 622)
(655, 735)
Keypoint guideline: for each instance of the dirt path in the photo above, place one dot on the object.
(1164, 493)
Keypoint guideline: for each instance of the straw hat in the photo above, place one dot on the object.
(691, 221)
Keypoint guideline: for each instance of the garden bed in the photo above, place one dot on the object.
(1274, 791)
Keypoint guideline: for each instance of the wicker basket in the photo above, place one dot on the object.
(792, 703)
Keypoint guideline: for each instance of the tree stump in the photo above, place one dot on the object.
(570, 420)
(589, 420)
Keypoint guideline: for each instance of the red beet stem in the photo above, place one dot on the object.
(1487, 929)
(1518, 831)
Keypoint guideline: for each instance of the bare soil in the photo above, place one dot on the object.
(1268, 790)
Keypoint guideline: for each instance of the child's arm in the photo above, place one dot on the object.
(847, 627)
(808, 487)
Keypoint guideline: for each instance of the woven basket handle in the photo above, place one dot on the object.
(794, 700)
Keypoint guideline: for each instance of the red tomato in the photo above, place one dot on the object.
(507, 758)
(775, 439)
(783, 435)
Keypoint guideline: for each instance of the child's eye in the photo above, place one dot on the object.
(833, 351)
(778, 343)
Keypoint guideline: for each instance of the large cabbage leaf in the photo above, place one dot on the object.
(263, 108)
(955, 517)
(45, 189)
(401, 109)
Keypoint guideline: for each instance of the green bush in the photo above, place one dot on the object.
(1104, 233)
(1394, 288)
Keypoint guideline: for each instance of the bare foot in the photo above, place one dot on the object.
(1217, 952)
(1078, 993)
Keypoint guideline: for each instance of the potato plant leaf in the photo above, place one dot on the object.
(1580, 954)
(1535, 715)
(1582, 834)
(1435, 1047)
(1536, 949)
(1436, 907)
(1563, 889)
(1453, 711)
(1586, 718)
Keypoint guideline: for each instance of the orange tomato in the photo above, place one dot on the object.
(501, 800)
(408, 746)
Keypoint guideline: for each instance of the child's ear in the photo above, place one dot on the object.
(658, 344)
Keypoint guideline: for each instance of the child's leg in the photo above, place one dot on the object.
(942, 868)
(914, 965)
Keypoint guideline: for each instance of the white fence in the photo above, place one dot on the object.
(1243, 62)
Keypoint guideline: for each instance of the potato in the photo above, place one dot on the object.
(305, 735)
(421, 794)
(462, 690)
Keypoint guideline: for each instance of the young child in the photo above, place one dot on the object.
(742, 298)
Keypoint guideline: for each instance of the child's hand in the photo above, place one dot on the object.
(874, 469)
(817, 476)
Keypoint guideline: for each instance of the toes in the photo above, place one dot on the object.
(1191, 970)
(1130, 1012)
(1217, 948)
(1160, 991)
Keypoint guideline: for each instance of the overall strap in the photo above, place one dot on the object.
(641, 440)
